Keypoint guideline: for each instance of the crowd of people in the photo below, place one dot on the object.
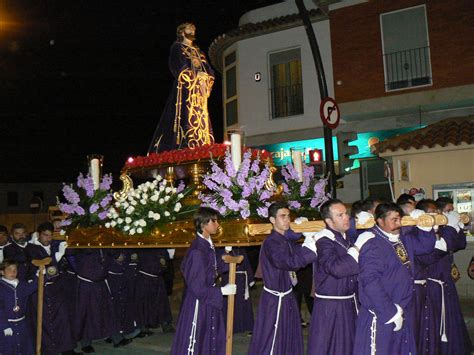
(89, 294)
(389, 289)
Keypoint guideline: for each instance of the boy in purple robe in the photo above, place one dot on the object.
(201, 325)
(15, 334)
(334, 317)
(277, 329)
(57, 335)
(386, 285)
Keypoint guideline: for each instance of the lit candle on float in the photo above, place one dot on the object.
(297, 160)
(236, 150)
(95, 172)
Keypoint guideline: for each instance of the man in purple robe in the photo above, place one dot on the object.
(333, 320)
(3, 240)
(16, 250)
(201, 325)
(386, 285)
(277, 328)
(450, 335)
(57, 335)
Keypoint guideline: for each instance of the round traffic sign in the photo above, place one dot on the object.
(329, 112)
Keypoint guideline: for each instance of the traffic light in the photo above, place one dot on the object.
(316, 158)
(344, 151)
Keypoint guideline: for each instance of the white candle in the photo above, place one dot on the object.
(297, 163)
(95, 173)
(236, 150)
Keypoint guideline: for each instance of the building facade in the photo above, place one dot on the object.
(390, 65)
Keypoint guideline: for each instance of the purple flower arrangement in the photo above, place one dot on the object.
(308, 194)
(241, 193)
(85, 206)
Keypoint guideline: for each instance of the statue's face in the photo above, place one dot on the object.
(190, 32)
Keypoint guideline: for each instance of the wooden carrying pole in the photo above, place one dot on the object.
(232, 261)
(39, 321)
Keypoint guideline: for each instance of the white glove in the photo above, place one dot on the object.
(171, 253)
(363, 238)
(300, 220)
(397, 319)
(8, 332)
(61, 250)
(309, 242)
(363, 217)
(229, 289)
(416, 213)
(228, 249)
(453, 219)
(321, 234)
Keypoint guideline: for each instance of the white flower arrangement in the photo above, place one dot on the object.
(148, 206)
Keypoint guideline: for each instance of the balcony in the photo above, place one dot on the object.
(407, 69)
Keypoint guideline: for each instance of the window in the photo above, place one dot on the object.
(406, 51)
(286, 87)
(230, 90)
(12, 198)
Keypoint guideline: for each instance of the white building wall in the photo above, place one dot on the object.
(253, 97)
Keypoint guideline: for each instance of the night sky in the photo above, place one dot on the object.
(80, 77)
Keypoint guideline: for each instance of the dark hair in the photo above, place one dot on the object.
(425, 203)
(18, 226)
(441, 202)
(7, 262)
(383, 210)
(275, 206)
(356, 208)
(369, 203)
(3, 229)
(404, 199)
(324, 209)
(45, 226)
(202, 216)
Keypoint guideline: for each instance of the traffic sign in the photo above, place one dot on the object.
(329, 112)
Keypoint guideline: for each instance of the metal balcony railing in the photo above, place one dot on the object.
(407, 68)
(286, 101)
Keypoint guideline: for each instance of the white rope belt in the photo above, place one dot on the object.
(192, 337)
(442, 327)
(147, 274)
(70, 272)
(373, 333)
(353, 296)
(84, 279)
(115, 273)
(280, 296)
(420, 282)
(16, 319)
(247, 294)
(49, 283)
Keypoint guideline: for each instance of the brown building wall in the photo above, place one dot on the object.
(357, 46)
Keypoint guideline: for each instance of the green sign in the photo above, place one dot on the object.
(281, 152)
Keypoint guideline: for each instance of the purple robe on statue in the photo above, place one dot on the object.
(22, 341)
(333, 320)
(151, 311)
(201, 325)
(277, 328)
(384, 280)
(244, 279)
(439, 282)
(57, 335)
(94, 317)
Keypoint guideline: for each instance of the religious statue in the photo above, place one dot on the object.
(185, 120)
